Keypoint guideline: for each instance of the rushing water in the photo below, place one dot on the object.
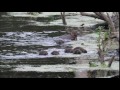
(21, 39)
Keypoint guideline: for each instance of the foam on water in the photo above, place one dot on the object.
(35, 38)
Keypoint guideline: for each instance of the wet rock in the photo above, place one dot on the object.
(59, 42)
(80, 49)
(68, 50)
(111, 53)
(43, 53)
(55, 53)
(77, 51)
(118, 52)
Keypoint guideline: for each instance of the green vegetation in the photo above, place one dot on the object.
(92, 64)
(103, 39)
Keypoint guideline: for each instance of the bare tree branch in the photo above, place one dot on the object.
(90, 15)
(110, 62)
(109, 21)
(102, 16)
(98, 14)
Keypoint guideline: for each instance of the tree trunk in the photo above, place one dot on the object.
(63, 18)
(115, 19)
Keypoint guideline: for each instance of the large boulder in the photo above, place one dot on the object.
(77, 51)
(80, 49)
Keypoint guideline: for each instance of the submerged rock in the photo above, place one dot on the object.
(68, 50)
(71, 36)
(40, 49)
(55, 53)
(66, 36)
(68, 46)
(59, 42)
(43, 53)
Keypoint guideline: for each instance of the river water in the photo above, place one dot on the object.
(23, 35)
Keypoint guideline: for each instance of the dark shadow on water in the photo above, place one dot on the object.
(83, 74)
(11, 74)
(42, 61)
(26, 24)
